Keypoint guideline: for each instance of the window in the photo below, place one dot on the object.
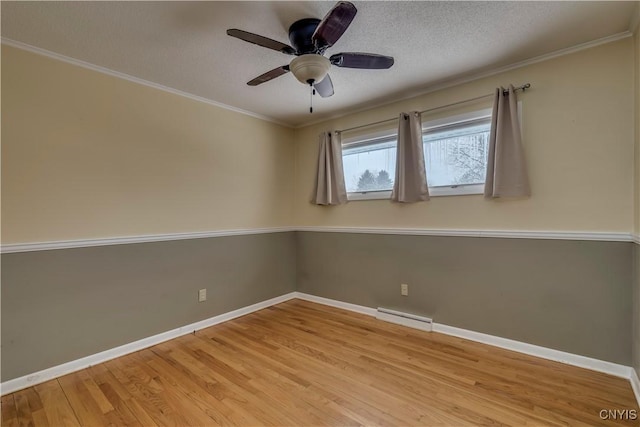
(455, 155)
(455, 151)
(370, 166)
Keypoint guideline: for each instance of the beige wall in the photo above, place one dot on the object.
(578, 136)
(86, 155)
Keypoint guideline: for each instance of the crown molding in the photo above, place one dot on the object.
(467, 78)
(69, 60)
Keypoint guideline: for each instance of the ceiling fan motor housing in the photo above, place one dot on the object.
(300, 33)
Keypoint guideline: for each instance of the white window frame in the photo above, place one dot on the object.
(463, 189)
(439, 191)
(370, 137)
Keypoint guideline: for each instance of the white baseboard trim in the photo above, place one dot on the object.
(521, 347)
(85, 362)
(537, 351)
(635, 384)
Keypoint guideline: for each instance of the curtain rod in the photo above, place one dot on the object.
(522, 88)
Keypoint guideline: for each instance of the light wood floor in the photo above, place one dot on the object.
(302, 364)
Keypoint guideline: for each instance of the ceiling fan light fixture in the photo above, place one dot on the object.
(310, 68)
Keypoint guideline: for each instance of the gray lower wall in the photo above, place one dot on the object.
(573, 296)
(61, 305)
(576, 296)
(636, 309)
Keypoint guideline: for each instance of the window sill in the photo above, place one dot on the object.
(459, 190)
(370, 195)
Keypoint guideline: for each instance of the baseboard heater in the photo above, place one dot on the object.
(405, 319)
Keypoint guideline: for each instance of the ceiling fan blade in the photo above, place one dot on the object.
(334, 24)
(261, 41)
(269, 75)
(370, 61)
(325, 87)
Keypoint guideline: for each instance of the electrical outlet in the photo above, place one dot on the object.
(404, 289)
(202, 295)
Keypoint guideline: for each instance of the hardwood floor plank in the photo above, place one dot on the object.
(206, 401)
(55, 404)
(95, 391)
(23, 411)
(83, 403)
(301, 363)
(270, 369)
(241, 392)
(40, 418)
(119, 397)
(286, 389)
(9, 412)
(198, 403)
(142, 416)
(146, 392)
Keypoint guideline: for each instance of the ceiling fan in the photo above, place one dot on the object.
(310, 38)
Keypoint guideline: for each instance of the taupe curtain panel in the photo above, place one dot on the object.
(411, 178)
(506, 169)
(330, 188)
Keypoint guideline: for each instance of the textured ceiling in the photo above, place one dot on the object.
(183, 45)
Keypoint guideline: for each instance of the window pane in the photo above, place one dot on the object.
(457, 156)
(370, 167)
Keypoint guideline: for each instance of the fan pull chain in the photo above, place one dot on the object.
(311, 93)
